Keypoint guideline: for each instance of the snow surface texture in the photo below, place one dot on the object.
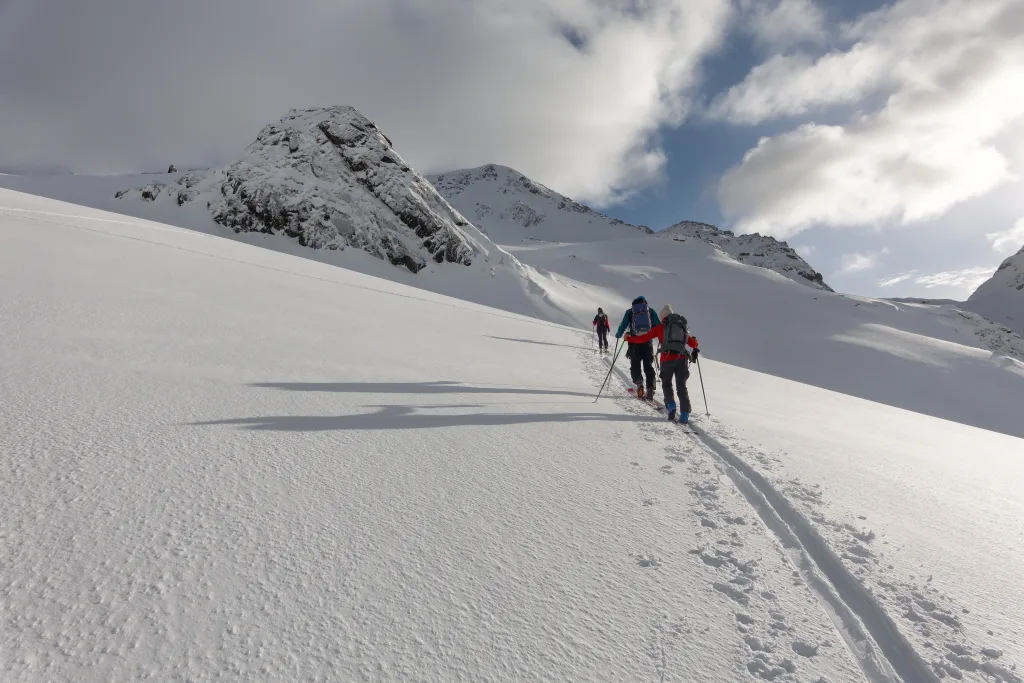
(754, 250)
(1001, 297)
(203, 476)
(330, 179)
(512, 208)
(206, 477)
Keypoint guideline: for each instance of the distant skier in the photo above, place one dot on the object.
(678, 350)
(602, 326)
(640, 320)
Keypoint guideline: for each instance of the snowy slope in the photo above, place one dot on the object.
(754, 249)
(1001, 297)
(903, 355)
(928, 360)
(512, 209)
(204, 476)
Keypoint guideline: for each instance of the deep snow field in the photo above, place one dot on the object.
(219, 461)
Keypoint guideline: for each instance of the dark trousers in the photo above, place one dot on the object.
(679, 369)
(642, 355)
(602, 337)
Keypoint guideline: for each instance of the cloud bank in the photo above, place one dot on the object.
(571, 92)
(929, 90)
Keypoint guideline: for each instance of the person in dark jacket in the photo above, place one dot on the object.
(640, 354)
(678, 350)
(602, 326)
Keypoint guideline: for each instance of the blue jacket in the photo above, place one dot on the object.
(628, 318)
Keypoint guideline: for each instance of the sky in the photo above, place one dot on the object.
(882, 139)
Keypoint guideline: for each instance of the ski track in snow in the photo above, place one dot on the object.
(862, 618)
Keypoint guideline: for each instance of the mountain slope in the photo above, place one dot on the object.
(209, 469)
(1001, 297)
(204, 476)
(512, 209)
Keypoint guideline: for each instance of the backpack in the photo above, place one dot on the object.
(676, 334)
(641, 321)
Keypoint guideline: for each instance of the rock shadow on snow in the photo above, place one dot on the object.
(410, 417)
(443, 387)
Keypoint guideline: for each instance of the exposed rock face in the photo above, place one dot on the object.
(330, 179)
(1001, 297)
(755, 250)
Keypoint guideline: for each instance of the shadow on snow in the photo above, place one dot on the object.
(408, 417)
(417, 388)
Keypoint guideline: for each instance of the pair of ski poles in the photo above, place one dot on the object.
(619, 344)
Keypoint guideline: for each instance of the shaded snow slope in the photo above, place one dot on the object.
(330, 179)
(223, 462)
(512, 209)
(755, 249)
(1001, 297)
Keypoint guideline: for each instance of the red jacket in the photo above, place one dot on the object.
(658, 332)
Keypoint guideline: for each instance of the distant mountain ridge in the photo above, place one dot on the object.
(754, 250)
(512, 208)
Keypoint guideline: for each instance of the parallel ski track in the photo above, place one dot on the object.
(873, 639)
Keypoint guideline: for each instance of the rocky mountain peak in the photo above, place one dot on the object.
(331, 179)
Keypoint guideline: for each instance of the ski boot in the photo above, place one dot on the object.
(671, 408)
(649, 395)
(684, 418)
(639, 391)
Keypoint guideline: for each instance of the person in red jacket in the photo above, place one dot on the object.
(678, 349)
(602, 326)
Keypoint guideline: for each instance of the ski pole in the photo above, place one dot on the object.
(699, 374)
(618, 348)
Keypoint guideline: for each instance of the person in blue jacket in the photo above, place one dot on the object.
(639, 320)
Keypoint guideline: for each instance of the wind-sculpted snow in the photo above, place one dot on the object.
(754, 250)
(330, 179)
(512, 208)
(1001, 297)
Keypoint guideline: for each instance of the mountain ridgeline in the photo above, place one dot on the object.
(330, 179)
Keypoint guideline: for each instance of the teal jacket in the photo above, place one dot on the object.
(628, 318)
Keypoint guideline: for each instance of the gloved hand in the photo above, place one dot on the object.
(618, 335)
(693, 355)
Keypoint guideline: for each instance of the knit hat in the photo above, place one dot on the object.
(665, 312)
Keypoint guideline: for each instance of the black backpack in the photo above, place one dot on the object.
(676, 334)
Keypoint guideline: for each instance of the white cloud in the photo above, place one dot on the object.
(967, 279)
(896, 279)
(938, 85)
(1010, 240)
(860, 261)
(805, 250)
(571, 92)
(783, 23)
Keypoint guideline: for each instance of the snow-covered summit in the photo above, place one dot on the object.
(512, 208)
(1001, 297)
(330, 179)
(754, 250)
